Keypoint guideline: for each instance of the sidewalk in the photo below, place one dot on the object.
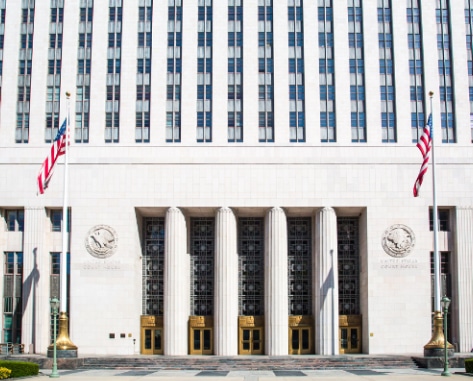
(283, 375)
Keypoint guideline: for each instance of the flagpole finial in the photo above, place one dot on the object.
(431, 94)
(68, 94)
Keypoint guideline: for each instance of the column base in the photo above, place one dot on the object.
(63, 353)
(438, 352)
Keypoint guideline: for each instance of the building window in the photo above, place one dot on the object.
(14, 219)
(386, 73)
(265, 71)
(153, 266)
(445, 74)
(55, 284)
(112, 113)
(235, 71)
(356, 68)
(24, 70)
(12, 297)
(443, 219)
(326, 72)
(145, 27)
(204, 71)
(174, 63)
(84, 54)
(296, 71)
(300, 266)
(251, 266)
(56, 220)
(348, 266)
(202, 266)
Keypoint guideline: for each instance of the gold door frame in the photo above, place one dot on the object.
(300, 322)
(350, 323)
(153, 323)
(201, 323)
(252, 323)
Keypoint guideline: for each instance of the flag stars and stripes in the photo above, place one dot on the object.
(424, 144)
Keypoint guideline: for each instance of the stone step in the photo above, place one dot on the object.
(248, 363)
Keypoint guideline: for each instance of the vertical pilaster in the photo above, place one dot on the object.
(276, 308)
(326, 283)
(226, 284)
(176, 284)
(35, 293)
(464, 269)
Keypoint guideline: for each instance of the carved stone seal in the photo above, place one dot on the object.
(101, 241)
(398, 241)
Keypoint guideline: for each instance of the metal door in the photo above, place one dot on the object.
(251, 341)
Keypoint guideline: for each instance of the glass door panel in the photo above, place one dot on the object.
(251, 341)
(300, 340)
(201, 341)
(350, 340)
(151, 341)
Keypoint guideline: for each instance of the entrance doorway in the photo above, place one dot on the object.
(350, 333)
(251, 335)
(151, 335)
(200, 335)
(301, 335)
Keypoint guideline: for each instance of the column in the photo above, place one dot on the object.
(276, 310)
(464, 269)
(226, 284)
(35, 293)
(176, 284)
(326, 283)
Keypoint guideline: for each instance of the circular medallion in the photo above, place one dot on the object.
(101, 241)
(398, 241)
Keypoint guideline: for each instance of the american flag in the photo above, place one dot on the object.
(424, 144)
(57, 149)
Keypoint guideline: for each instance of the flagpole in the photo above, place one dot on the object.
(435, 226)
(65, 346)
(436, 346)
(65, 219)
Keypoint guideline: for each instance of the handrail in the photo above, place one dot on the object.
(11, 348)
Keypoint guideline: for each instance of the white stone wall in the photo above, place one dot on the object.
(118, 184)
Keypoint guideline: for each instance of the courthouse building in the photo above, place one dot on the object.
(240, 174)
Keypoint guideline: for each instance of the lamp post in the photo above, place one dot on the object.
(445, 304)
(55, 308)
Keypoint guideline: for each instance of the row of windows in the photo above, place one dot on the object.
(15, 220)
(295, 65)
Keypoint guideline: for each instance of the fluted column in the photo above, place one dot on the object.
(275, 284)
(35, 294)
(464, 295)
(326, 283)
(226, 284)
(176, 284)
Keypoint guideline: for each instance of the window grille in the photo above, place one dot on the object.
(348, 266)
(251, 266)
(300, 266)
(153, 266)
(202, 265)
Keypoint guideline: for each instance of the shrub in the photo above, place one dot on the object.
(20, 368)
(469, 365)
(4, 373)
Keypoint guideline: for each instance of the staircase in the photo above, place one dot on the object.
(248, 363)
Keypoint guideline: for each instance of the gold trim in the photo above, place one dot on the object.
(63, 343)
(438, 339)
(250, 321)
(301, 321)
(201, 322)
(349, 320)
(151, 321)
